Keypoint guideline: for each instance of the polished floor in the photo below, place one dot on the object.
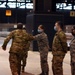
(33, 63)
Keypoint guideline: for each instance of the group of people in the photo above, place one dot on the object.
(21, 43)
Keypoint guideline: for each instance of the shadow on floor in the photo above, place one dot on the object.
(26, 73)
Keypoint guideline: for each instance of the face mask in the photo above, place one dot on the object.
(55, 28)
(39, 31)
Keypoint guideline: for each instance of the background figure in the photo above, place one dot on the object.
(24, 59)
(72, 52)
(18, 49)
(43, 46)
(59, 49)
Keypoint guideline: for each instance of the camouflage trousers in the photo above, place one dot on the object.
(15, 63)
(24, 59)
(72, 68)
(44, 63)
(57, 65)
(72, 63)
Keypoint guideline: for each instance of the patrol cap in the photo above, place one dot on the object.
(19, 25)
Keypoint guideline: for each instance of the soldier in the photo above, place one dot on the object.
(25, 58)
(18, 49)
(72, 52)
(26, 55)
(59, 49)
(43, 46)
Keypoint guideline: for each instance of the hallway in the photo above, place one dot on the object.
(33, 63)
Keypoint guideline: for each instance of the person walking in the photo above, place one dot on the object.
(18, 50)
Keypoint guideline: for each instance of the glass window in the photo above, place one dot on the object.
(11, 5)
(63, 6)
(28, 0)
(2, 4)
(74, 7)
(2, 0)
(12, 0)
(16, 4)
(21, 5)
(29, 6)
(20, 0)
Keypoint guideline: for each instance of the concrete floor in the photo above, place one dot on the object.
(33, 63)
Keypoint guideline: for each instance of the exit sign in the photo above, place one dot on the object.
(72, 13)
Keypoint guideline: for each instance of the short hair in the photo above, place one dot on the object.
(42, 27)
(60, 24)
(19, 26)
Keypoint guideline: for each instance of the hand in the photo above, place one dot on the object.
(4, 48)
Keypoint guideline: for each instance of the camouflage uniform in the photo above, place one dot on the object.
(58, 50)
(25, 57)
(72, 53)
(43, 46)
(18, 49)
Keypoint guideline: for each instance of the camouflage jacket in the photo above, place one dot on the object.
(42, 40)
(59, 46)
(72, 50)
(20, 41)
